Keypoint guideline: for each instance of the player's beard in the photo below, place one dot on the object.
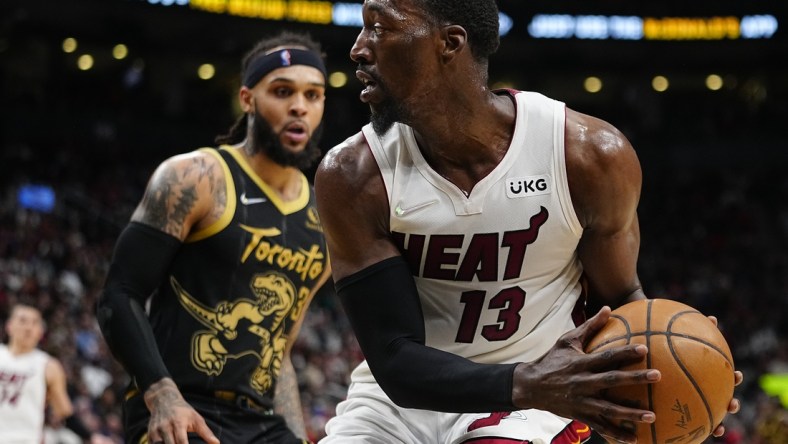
(268, 142)
(384, 114)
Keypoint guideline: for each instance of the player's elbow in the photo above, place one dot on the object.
(105, 304)
(398, 391)
(61, 411)
(398, 381)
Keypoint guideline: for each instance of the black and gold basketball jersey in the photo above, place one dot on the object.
(236, 288)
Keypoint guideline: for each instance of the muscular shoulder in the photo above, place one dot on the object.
(351, 199)
(348, 163)
(184, 191)
(602, 168)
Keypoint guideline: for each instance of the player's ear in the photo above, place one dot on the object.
(246, 99)
(455, 39)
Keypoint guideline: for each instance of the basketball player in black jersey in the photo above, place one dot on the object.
(227, 245)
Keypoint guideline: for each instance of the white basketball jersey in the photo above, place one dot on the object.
(497, 270)
(22, 396)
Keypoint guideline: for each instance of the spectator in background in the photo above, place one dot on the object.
(228, 244)
(30, 381)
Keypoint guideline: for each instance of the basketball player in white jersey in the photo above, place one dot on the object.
(31, 379)
(462, 224)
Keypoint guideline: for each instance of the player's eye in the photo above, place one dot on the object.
(282, 92)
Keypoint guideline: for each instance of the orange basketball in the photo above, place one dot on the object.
(697, 381)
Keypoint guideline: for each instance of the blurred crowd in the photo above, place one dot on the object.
(713, 238)
(713, 216)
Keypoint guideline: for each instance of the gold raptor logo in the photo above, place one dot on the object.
(275, 295)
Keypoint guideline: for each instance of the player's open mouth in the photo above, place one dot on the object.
(370, 85)
(296, 132)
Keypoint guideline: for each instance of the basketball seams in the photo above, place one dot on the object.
(650, 387)
(629, 336)
(692, 381)
(669, 339)
(702, 341)
(708, 344)
(690, 344)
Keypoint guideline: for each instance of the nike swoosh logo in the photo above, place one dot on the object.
(251, 200)
(400, 211)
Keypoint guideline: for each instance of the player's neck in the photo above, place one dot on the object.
(284, 180)
(478, 123)
(17, 349)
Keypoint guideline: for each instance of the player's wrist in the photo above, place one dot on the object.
(162, 391)
(75, 424)
(522, 395)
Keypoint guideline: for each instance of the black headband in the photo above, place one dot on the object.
(279, 59)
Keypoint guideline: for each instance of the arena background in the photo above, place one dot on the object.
(80, 135)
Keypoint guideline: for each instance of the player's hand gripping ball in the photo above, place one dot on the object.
(697, 369)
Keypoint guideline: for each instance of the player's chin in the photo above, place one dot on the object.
(293, 144)
(296, 148)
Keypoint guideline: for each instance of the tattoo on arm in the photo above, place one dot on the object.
(173, 193)
(154, 202)
(182, 207)
(163, 397)
(219, 192)
(287, 401)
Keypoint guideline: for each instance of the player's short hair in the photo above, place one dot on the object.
(29, 304)
(478, 17)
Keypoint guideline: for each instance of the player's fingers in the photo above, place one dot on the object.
(714, 320)
(599, 382)
(719, 431)
(164, 433)
(617, 423)
(738, 377)
(180, 434)
(169, 438)
(614, 357)
(734, 406)
(202, 429)
(593, 325)
(154, 437)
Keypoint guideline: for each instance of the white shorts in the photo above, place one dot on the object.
(368, 416)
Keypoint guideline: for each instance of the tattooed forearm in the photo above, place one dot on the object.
(163, 395)
(287, 401)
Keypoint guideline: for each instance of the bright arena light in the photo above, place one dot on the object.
(206, 71)
(85, 62)
(337, 79)
(660, 83)
(69, 45)
(714, 82)
(592, 84)
(120, 51)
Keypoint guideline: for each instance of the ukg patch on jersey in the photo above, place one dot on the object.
(527, 186)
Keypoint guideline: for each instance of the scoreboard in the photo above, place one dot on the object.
(530, 22)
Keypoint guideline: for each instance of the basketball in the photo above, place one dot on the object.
(697, 369)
